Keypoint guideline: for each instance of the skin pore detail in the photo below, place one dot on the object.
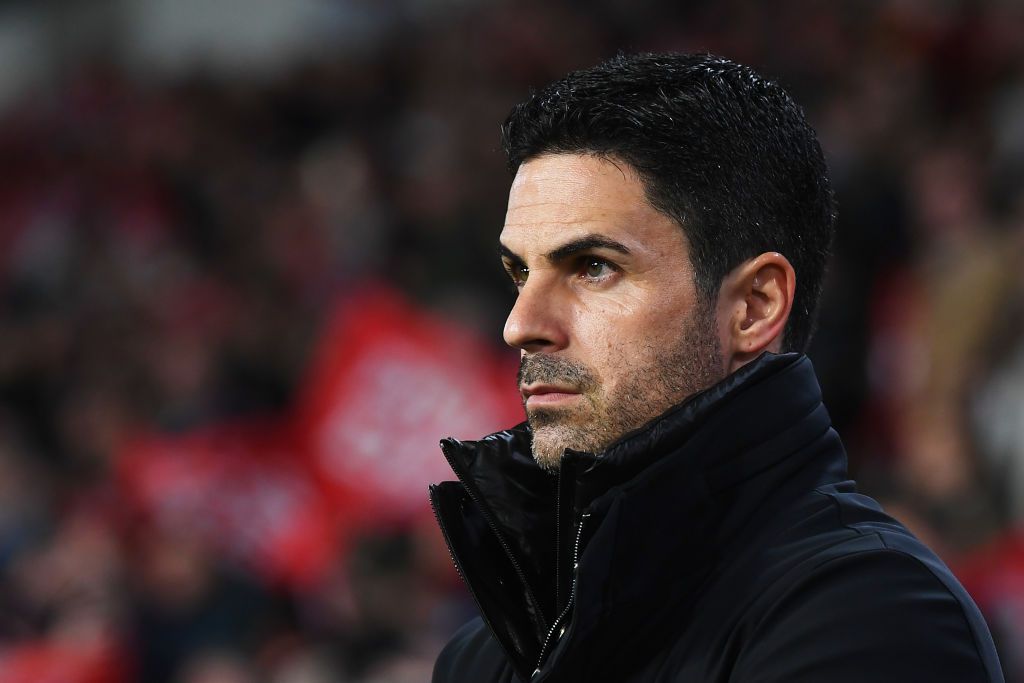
(607, 317)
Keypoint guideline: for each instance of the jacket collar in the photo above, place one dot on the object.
(665, 504)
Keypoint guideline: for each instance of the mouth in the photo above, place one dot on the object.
(547, 395)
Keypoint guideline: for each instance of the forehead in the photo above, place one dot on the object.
(556, 198)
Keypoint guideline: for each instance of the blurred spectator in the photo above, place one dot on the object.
(192, 612)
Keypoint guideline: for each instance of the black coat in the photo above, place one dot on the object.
(722, 542)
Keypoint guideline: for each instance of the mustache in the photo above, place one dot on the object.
(544, 369)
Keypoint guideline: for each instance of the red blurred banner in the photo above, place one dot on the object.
(387, 383)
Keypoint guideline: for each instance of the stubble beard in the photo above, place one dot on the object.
(691, 365)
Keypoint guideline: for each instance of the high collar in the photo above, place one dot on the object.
(685, 486)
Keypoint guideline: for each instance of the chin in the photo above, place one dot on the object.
(551, 440)
(547, 449)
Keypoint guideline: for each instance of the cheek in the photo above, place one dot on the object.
(617, 321)
(617, 312)
(615, 341)
(617, 304)
(638, 329)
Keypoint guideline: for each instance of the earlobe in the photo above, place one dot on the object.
(754, 306)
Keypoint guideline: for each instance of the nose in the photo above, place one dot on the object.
(536, 323)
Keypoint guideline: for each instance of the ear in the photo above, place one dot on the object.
(754, 302)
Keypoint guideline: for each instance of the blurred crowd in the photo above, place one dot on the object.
(169, 249)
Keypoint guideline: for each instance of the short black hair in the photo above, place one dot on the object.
(721, 150)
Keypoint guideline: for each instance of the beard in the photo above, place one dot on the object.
(664, 378)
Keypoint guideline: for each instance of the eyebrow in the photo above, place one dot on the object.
(570, 249)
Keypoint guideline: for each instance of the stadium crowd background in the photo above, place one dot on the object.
(184, 202)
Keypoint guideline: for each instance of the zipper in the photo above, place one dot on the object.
(485, 511)
(551, 638)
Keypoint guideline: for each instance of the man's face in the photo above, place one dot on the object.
(607, 316)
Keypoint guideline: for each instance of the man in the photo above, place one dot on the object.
(676, 507)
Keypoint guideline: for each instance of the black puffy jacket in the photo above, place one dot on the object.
(722, 542)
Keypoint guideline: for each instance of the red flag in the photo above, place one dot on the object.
(389, 381)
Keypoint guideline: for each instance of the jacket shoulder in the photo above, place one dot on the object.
(879, 607)
(473, 656)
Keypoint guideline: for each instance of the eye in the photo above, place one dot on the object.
(596, 269)
(519, 274)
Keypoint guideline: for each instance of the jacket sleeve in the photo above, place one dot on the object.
(472, 656)
(880, 615)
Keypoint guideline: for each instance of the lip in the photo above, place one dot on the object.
(547, 394)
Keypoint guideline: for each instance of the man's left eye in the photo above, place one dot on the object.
(595, 268)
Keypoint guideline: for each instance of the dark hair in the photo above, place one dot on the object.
(721, 150)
